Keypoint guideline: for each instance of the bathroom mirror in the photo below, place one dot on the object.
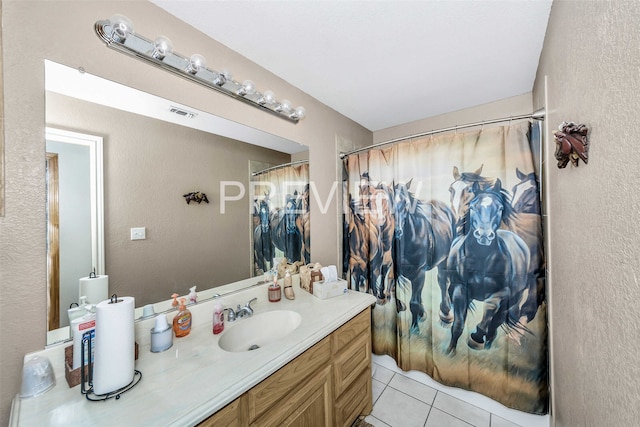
(154, 153)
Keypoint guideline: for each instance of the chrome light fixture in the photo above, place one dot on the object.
(118, 33)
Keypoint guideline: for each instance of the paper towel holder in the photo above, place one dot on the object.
(88, 379)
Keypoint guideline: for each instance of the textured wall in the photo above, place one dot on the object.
(62, 31)
(591, 58)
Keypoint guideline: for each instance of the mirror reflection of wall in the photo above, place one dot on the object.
(149, 164)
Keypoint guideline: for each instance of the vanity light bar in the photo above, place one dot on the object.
(118, 34)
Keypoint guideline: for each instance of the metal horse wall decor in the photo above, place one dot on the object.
(196, 196)
(571, 144)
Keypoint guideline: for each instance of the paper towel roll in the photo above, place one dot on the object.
(113, 366)
(96, 289)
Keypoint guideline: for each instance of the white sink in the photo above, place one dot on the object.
(259, 330)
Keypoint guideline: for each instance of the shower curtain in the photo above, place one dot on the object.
(446, 232)
(281, 218)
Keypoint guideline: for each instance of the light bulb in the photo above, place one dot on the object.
(299, 113)
(248, 87)
(222, 77)
(122, 27)
(286, 106)
(269, 97)
(196, 62)
(162, 47)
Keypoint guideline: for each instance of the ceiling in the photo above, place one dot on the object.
(383, 63)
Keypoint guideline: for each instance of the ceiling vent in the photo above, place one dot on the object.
(181, 112)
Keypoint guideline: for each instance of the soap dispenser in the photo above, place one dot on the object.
(218, 319)
(193, 296)
(182, 321)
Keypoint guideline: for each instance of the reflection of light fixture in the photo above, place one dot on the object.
(161, 47)
(118, 34)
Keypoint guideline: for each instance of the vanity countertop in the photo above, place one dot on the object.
(195, 378)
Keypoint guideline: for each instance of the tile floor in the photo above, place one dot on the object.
(408, 399)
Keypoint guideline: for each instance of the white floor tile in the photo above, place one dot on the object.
(381, 373)
(437, 418)
(400, 410)
(460, 409)
(413, 388)
(496, 421)
(376, 389)
(519, 418)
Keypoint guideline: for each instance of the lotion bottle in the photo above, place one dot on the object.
(218, 319)
(182, 321)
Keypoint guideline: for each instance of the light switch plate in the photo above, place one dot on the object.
(138, 233)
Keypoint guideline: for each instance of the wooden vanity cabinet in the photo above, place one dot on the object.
(327, 385)
(351, 355)
(232, 415)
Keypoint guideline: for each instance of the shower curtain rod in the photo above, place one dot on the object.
(280, 166)
(536, 115)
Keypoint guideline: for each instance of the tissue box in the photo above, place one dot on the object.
(328, 290)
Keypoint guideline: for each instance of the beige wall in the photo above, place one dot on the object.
(148, 165)
(62, 31)
(517, 105)
(591, 58)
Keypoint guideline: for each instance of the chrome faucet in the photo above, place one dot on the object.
(246, 310)
(240, 312)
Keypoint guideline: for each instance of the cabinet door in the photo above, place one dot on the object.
(350, 362)
(356, 400)
(230, 416)
(274, 391)
(310, 404)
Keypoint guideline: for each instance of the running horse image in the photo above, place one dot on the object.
(263, 247)
(376, 201)
(284, 229)
(424, 232)
(487, 264)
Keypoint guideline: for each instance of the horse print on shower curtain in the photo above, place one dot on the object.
(281, 217)
(446, 233)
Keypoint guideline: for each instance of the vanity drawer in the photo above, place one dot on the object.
(272, 389)
(355, 401)
(347, 332)
(350, 362)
